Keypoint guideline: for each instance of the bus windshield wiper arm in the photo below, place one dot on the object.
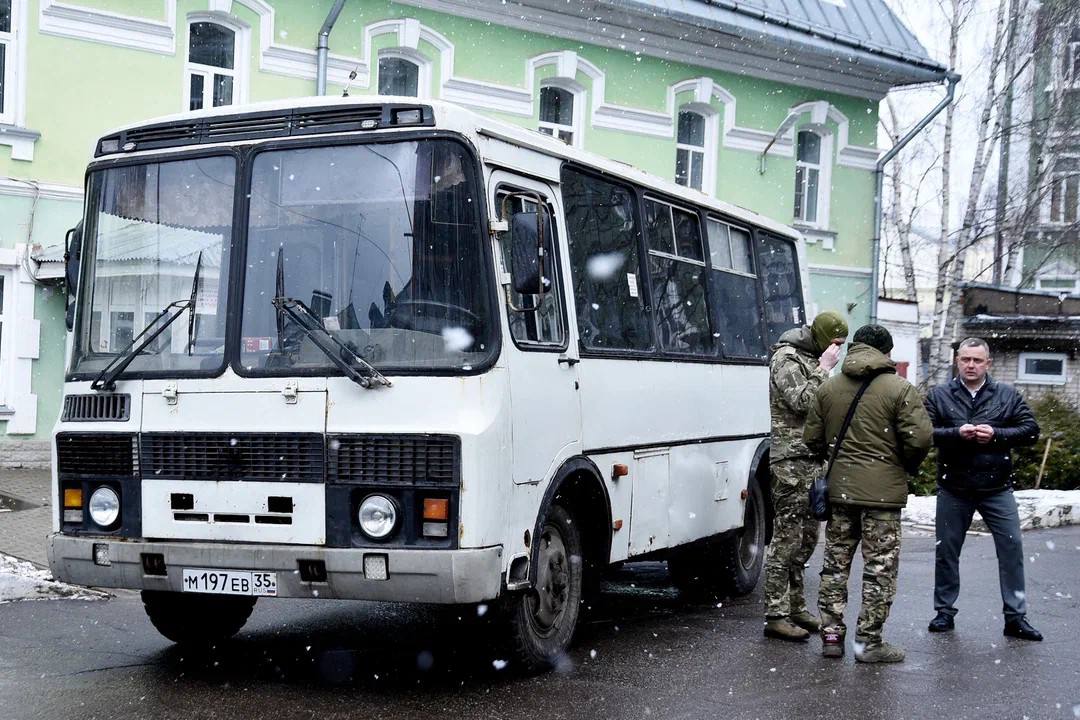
(330, 346)
(106, 379)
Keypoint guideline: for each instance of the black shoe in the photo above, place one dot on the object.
(1021, 628)
(942, 622)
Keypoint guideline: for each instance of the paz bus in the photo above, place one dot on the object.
(374, 348)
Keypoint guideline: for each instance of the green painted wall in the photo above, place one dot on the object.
(101, 86)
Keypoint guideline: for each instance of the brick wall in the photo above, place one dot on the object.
(1006, 368)
(25, 453)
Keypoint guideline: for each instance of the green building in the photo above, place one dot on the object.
(769, 105)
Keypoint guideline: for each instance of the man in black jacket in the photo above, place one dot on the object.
(976, 423)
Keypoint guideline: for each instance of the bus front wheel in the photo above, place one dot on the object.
(195, 619)
(542, 620)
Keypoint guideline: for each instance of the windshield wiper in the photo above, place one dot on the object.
(333, 348)
(106, 379)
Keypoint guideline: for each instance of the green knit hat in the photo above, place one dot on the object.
(828, 325)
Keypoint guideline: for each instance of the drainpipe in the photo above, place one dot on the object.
(322, 49)
(879, 180)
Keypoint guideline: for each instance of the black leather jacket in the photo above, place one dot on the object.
(967, 465)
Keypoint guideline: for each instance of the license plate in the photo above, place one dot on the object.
(230, 582)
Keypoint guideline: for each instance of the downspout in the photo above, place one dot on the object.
(322, 49)
(879, 182)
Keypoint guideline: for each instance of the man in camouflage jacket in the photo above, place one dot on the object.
(801, 362)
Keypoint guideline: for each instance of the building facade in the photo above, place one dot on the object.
(765, 107)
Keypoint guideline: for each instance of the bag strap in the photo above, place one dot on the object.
(847, 422)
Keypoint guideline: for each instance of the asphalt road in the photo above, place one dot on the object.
(644, 653)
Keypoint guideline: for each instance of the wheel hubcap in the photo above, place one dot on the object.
(552, 580)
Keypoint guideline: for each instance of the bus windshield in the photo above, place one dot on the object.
(381, 242)
(150, 226)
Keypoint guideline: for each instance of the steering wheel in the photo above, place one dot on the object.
(432, 316)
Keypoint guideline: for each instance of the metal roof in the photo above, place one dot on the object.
(865, 24)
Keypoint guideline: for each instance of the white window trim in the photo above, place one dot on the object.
(1071, 52)
(824, 168)
(14, 112)
(1025, 378)
(20, 344)
(1048, 200)
(577, 92)
(241, 60)
(712, 133)
(423, 69)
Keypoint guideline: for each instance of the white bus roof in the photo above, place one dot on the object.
(471, 124)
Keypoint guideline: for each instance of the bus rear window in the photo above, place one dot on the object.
(780, 281)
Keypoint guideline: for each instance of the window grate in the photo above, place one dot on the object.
(109, 407)
(292, 457)
(395, 459)
(105, 454)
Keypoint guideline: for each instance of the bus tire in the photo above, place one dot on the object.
(742, 555)
(195, 619)
(542, 619)
(729, 565)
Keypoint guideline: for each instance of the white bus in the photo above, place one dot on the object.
(377, 349)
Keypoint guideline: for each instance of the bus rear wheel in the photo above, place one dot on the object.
(730, 565)
(542, 620)
(193, 619)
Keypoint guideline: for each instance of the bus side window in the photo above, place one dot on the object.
(780, 281)
(736, 307)
(677, 278)
(602, 229)
(544, 325)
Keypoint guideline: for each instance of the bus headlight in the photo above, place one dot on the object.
(377, 516)
(104, 506)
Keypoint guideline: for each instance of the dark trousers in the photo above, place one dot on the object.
(954, 513)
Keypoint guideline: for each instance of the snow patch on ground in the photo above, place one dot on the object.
(20, 580)
(1038, 509)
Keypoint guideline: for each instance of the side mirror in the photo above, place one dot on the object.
(72, 258)
(529, 240)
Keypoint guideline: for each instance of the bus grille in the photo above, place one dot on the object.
(292, 457)
(394, 459)
(113, 407)
(103, 454)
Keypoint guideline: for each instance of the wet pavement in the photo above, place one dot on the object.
(644, 652)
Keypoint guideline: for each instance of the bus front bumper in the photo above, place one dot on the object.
(426, 576)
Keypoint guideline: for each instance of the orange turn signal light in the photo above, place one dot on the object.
(436, 509)
(619, 470)
(73, 497)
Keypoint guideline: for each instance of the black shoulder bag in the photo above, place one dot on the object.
(819, 489)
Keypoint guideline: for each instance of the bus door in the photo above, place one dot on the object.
(546, 415)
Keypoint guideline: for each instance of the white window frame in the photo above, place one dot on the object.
(241, 56)
(1063, 177)
(1035, 379)
(824, 168)
(423, 69)
(1071, 52)
(14, 65)
(708, 150)
(7, 326)
(577, 94)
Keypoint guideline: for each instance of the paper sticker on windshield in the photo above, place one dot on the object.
(257, 344)
(631, 282)
(795, 315)
(206, 299)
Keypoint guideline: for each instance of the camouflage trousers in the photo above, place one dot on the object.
(879, 532)
(795, 534)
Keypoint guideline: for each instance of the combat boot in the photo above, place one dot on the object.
(832, 644)
(881, 652)
(784, 629)
(806, 621)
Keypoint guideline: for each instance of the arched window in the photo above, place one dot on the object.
(211, 65)
(8, 60)
(398, 76)
(557, 113)
(690, 150)
(807, 176)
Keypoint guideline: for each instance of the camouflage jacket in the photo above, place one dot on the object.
(794, 377)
